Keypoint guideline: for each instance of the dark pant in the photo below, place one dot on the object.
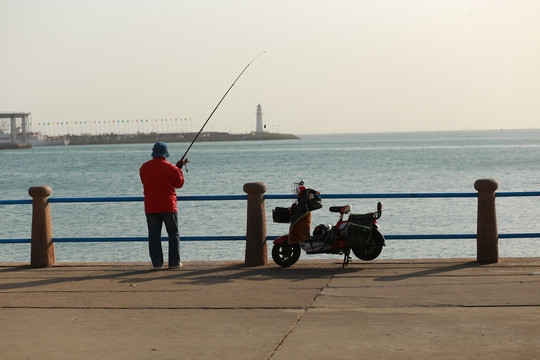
(155, 222)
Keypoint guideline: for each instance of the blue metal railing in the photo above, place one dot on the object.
(276, 197)
(126, 199)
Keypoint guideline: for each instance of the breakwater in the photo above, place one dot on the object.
(174, 137)
(15, 146)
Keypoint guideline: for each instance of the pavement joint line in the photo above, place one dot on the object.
(299, 318)
(420, 306)
(431, 285)
(30, 295)
(139, 291)
(154, 308)
(134, 291)
(499, 306)
(416, 306)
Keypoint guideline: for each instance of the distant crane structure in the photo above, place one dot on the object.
(13, 124)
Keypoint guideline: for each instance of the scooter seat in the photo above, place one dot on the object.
(341, 209)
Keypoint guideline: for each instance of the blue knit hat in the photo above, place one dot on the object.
(160, 150)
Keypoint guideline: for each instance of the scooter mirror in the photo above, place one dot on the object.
(379, 208)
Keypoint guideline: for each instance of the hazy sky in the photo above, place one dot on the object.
(330, 66)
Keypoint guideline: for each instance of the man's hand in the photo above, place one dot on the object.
(182, 163)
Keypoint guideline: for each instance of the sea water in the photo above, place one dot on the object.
(421, 162)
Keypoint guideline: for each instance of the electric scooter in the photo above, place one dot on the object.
(358, 233)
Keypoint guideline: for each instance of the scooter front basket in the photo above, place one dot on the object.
(282, 215)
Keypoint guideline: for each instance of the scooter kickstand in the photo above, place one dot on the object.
(346, 259)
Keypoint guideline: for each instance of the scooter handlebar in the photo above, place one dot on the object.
(379, 210)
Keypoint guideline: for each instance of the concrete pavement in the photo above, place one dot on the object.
(401, 309)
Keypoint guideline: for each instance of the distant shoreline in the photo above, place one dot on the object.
(174, 137)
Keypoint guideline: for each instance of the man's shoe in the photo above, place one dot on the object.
(175, 266)
(158, 268)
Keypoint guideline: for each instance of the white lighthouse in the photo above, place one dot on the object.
(259, 119)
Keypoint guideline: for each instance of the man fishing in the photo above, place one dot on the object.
(160, 180)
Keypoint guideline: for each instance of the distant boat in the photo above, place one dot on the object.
(36, 141)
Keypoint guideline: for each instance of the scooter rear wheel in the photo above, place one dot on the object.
(285, 254)
(373, 248)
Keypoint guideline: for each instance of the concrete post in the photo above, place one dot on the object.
(487, 237)
(24, 123)
(13, 129)
(256, 252)
(42, 252)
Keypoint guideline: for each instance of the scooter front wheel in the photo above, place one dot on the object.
(285, 254)
(373, 248)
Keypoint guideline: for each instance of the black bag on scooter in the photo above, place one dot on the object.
(359, 230)
(323, 238)
(324, 233)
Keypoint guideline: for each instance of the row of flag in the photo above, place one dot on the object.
(110, 122)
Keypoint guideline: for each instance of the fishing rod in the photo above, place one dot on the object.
(184, 160)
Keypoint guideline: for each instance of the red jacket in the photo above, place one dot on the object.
(160, 178)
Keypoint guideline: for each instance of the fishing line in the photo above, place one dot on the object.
(181, 161)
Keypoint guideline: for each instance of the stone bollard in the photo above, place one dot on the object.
(256, 253)
(42, 252)
(487, 237)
